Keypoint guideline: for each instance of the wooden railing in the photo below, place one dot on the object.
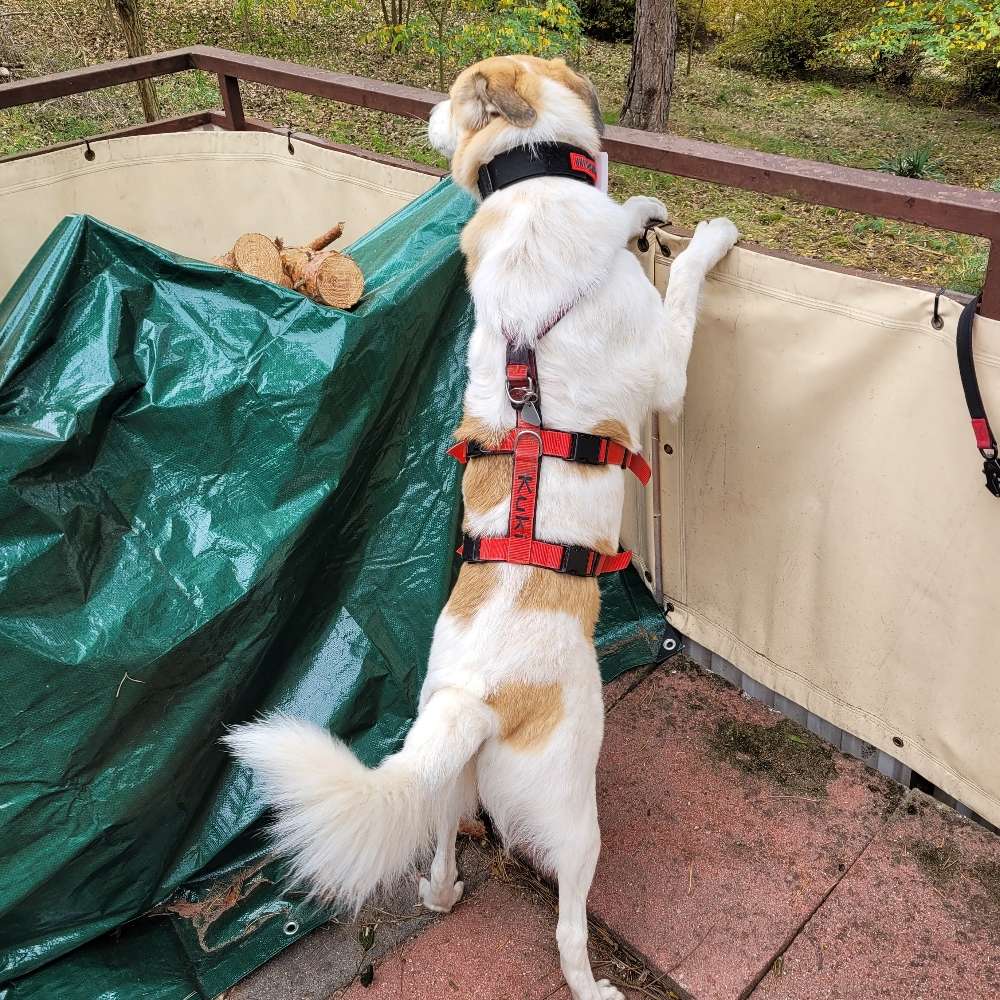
(925, 203)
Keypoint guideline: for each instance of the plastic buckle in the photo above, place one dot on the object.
(586, 449)
(991, 469)
(575, 560)
(470, 548)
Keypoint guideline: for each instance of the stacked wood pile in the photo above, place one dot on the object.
(325, 275)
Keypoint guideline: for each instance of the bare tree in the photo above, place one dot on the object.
(651, 75)
(130, 15)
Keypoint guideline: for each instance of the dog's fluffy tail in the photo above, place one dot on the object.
(347, 828)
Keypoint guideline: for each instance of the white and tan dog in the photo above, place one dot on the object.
(511, 712)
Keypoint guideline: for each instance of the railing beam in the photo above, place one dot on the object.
(78, 81)
(232, 102)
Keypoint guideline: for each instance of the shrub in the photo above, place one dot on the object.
(614, 20)
(959, 37)
(462, 31)
(785, 37)
(919, 163)
(608, 20)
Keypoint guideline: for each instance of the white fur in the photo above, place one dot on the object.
(619, 353)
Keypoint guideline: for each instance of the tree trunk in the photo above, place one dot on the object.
(135, 44)
(651, 75)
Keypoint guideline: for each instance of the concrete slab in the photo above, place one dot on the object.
(497, 945)
(916, 918)
(724, 827)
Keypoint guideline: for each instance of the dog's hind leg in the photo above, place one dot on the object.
(443, 890)
(576, 859)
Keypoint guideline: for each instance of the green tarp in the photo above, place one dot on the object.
(217, 498)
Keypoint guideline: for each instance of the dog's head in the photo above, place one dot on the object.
(510, 101)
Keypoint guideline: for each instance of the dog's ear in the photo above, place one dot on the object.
(498, 89)
(583, 88)
(590, 93)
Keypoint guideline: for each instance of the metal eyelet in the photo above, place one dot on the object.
(937, 320)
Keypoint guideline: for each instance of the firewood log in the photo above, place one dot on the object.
(258, 255)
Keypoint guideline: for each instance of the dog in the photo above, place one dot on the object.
(511, 712)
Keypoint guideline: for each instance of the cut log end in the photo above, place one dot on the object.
(339, 281)
(257, 255)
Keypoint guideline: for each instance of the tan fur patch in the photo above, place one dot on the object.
(480, 228)
(579, 596)
(487, 480)
(615, 430)
(528, 713)
(475, 583)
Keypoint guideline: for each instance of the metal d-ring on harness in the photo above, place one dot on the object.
(529, 442)
(985, 440)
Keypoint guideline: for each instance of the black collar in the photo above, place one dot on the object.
(546, 159)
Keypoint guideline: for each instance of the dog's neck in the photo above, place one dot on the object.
(533, 249)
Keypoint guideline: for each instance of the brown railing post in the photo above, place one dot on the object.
(991, 285)
(232, 102)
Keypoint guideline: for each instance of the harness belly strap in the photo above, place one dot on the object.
(529, 442)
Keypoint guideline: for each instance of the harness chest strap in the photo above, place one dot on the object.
(588, 449)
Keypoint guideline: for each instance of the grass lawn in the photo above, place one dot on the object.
(815, 120)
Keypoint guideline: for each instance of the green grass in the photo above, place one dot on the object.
(858, 126)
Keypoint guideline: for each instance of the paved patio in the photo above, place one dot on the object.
(742, 858)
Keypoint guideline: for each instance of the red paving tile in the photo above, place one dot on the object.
(707, 870)
(497, 945)
(918, 917)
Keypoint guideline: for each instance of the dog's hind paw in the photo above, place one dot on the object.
(608, 992)
(444, 899)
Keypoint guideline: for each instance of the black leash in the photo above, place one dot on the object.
(985, 440)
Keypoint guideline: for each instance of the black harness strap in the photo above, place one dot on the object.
(985, 440)
(546, 159)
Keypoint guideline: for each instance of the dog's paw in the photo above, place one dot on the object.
(644, 211)
(608, 992)
(442, 901)
(715, 239)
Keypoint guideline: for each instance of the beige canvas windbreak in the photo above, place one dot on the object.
(196, 192)
(824, 523)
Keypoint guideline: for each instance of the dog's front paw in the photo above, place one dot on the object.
(715, 239)
(643, 212)
(444, 899)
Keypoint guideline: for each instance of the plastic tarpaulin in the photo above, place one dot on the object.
(218, 498)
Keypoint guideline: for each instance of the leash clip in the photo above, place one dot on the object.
(991, 469)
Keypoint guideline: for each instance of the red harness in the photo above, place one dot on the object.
(529, 442)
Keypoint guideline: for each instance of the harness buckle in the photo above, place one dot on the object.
(575, 560)
(586, 449)
(991, 469)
